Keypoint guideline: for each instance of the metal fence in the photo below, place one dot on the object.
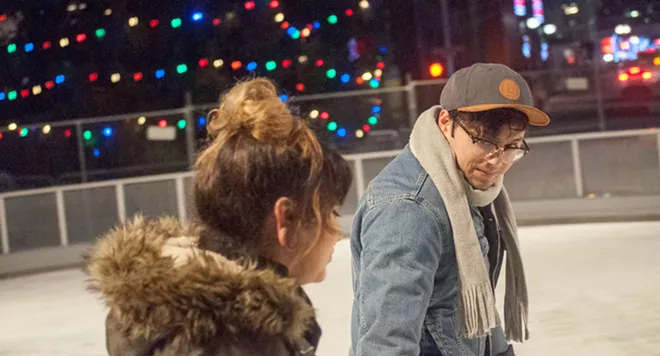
(77, 151)
(578, 176)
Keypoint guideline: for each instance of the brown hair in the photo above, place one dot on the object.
(489, 124)
(259, 153)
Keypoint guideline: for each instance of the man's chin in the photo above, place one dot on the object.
(480, 184)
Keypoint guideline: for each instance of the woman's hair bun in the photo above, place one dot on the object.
(253, 107)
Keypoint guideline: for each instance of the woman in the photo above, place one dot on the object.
(266, 193)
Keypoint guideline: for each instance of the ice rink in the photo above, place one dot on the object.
(594, 290)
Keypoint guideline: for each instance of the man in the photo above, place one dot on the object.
(431, 230)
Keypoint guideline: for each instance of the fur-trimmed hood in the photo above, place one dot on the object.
(156, 281)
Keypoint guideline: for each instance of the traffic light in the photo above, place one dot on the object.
(436, 70)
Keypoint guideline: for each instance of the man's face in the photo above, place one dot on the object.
(481, 170)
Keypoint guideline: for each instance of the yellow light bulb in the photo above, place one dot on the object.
(46, 129)
(314, 114)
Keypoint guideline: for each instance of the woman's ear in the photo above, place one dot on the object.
(285, 223)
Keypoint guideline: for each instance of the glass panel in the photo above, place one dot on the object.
(152, 199)
(351, 202)
(372, 167)
(90, 213)
(32, 222)
(363, 123)
(427, 95)
(37, 156)
(136, 146)
(546, 173)
(188, 186)
(620, 166)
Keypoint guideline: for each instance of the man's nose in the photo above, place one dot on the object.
(495, 158)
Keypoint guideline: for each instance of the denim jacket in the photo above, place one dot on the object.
(405, 274)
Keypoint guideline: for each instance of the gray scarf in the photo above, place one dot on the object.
(435, 155)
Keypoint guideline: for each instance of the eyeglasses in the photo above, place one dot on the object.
(488, 149)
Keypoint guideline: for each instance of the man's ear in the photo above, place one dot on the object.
(285, 222)
(445, 123)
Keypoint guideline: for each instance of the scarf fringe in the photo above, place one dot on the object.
(479, 313)
(515, 309)
(516, 323)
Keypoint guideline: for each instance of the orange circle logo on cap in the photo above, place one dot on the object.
(509, 89)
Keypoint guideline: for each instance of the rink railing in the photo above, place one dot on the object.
(401, 106)
(576, 177)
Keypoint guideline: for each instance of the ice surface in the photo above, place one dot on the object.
(594, 290)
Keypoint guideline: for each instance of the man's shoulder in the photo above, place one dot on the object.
(398, 180)
(404, 179)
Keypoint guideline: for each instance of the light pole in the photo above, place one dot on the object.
(446, 31)
(593, 37)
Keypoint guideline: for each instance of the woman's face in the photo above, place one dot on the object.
(311, 268)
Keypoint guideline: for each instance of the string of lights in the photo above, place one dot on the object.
(107, 131)
(342, 132)
(196, 18)
(369, 78)
(13, 94)
(372, 79)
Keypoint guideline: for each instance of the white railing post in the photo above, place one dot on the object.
(82, 159)
(658, 141)
(4, 232)
(181, 199)
(189, 116)
(121, 202)
(61, 218)
(359, 178)
(577, 168)
(412, 103)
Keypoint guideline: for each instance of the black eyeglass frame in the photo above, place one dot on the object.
(453, 114)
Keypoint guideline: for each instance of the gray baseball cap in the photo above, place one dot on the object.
(483, 87)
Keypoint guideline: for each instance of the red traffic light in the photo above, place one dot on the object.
(436, 70)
